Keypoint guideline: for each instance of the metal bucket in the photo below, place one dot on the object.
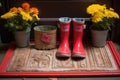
(22, 38)
(99, 38)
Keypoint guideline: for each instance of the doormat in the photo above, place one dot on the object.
(101, 60)
(31, 59)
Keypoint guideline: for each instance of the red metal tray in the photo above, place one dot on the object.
(9, 53)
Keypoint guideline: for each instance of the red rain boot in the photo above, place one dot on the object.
(78, 27)
(64, 49)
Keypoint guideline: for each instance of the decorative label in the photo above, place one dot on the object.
(65, 28)
(79, 29)
(46, 38)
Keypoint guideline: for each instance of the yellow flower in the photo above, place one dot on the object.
(111, 9)
(36, 16)
(111, 14)
(95, 8)
(116, 15)
(26, 16)
(97, 17)
(101, 16)
(8, 15)
(98, 12)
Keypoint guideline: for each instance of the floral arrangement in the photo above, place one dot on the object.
(101, 16)
(21, 18)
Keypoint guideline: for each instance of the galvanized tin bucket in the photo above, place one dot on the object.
(22, 38)
(99, 38)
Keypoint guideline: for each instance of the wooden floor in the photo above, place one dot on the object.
(30, 59)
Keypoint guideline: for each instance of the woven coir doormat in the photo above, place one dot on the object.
(30, 62)
(30, 59)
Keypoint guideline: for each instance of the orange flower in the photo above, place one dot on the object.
(26, 6)
(14, 9)
(34, 10)
(20, 9)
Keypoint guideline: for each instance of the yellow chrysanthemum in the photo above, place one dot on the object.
(8, 15)
(116, 15)
(97, 17)
(26, 16)
(101, 16)
(111, 9)
(110, 14)
(95, 8)
(36, 16)
(98, 12)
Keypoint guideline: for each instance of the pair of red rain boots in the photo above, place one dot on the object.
(78, 28)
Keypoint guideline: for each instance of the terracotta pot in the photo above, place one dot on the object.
(99, 38)
(45, 37)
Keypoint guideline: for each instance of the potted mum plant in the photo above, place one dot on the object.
(102, 19)
(19, 21)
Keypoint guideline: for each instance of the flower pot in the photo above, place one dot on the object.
(45, 37)
(99, 38)
(22, 38)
